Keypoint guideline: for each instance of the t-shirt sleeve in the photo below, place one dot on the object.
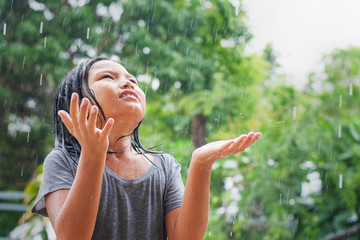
(58, 173)
(174, 187)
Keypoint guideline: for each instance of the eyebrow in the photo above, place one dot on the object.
(112, 72)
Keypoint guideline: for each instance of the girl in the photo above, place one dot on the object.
(99, 182)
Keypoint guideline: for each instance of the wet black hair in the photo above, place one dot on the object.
(77, 81)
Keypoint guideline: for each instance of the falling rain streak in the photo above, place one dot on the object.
(4, 30)
(28, 136)
(280, 200)
(339, 132)
(41, 27)
(41, 76)
(350, 90)
(23, 64)
(45, 42)
(88, 33)
(340, 180)
(294, 113)
(340, 101)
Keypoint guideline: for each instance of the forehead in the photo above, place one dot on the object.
(106, 66)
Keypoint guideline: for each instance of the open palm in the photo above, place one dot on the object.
(213, 151)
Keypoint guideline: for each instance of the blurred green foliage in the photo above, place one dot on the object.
(189, 58)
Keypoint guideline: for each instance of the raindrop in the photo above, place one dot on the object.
(28, 136)
(41, 27)
(287, 197)
(236, 10)
(350, 90)
(45, 42)
(41, 76)
(340, 101)
(340, 181)
(4, 30)
(177, 84)
(155, 84)
(294, 113)
(319, 146)
(88, 33)
(22, 171)
(142, 23)
(339, 132)
(230, 234)
(23, 64)
(280, 200)
(216, 33)
(146, 50)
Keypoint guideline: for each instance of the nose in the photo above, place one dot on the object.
(126, 84)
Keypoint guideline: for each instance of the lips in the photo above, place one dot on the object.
(129, 94)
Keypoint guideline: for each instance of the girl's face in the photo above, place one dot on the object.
(117, 91)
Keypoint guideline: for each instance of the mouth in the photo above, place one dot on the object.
(129, 94)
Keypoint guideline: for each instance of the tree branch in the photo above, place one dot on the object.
(345, 234)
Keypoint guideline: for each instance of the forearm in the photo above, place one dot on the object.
(76, 219)
(193, 217)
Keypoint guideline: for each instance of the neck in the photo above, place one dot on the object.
(120, 140)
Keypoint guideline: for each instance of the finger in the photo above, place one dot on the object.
(83, 111)
(66, 119)
(243, 143)
(252, 139)
(256, 137)
(238, 142)
(108, 126)
(92, 118)
(74, 108)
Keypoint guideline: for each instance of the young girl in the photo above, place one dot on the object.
(99, 181)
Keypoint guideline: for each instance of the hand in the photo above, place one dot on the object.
(83, 128)
(213, 151)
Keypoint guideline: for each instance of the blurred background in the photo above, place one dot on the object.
(211, 70)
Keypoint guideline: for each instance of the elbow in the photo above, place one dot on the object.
(66, 232)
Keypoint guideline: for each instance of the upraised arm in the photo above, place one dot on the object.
(73, 212)
(190, 221)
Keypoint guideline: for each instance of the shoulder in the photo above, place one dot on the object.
(167, 161)
(58, 158)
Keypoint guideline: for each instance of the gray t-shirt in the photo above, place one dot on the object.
(128, 209)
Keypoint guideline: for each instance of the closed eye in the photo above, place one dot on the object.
(106, 76)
